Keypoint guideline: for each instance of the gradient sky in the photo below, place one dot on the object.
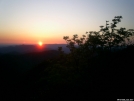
(30, 21)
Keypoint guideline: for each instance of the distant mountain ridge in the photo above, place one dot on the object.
(16, 49)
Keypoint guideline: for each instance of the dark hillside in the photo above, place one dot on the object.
(108, 72)
(111, 73)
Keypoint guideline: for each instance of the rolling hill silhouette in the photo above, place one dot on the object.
(17, 49)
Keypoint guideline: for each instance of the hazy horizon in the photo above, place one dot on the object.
(6, 45)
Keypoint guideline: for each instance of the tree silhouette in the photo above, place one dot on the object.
(108, 37)
(91, 44)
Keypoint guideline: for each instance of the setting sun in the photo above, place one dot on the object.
(40, 43)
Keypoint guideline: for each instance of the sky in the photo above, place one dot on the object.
(31, 21)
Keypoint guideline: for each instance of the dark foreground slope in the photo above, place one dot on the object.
(108, 74)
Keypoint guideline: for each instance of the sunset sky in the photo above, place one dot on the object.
(31, 21)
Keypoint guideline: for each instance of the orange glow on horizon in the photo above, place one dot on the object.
(27, 39)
